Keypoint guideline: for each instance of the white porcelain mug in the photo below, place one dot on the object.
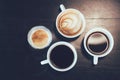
(70, 23)
(98, 42)
(61, 56)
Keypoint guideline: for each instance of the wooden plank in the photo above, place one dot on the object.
(96, 8)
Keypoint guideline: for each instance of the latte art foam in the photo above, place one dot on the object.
(69, 22)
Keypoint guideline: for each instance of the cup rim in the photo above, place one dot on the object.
(109, 36)
(68, 45)
(82, 19)
(35, 28)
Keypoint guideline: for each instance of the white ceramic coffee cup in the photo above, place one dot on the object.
(110, 47)
(34, 29)
(82, 19)
(48, 60)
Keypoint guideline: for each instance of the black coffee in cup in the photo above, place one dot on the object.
(97, 43)
(62, 56)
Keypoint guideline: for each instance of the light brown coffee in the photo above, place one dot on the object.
(69, 22)
(40, 38)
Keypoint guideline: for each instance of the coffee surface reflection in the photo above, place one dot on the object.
(62, 56)
(97, 43)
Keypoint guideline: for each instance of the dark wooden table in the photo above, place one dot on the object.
(21, 62)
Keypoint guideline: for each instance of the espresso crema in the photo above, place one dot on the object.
(40, 38)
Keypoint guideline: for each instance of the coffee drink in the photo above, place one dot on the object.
(62, 56)
(70, 23)
(39, 37)
(97, 43)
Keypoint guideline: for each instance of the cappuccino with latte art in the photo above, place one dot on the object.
(70, 23)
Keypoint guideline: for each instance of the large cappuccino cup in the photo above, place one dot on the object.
(70, 23)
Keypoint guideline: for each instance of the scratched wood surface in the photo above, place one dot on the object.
(21, 62)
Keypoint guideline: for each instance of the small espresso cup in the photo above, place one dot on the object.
(98, 42)
(39, 37)
(70, 23)
(61, 56)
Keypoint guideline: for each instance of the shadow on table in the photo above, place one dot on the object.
(85, 54)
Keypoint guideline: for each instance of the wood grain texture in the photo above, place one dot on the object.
(97, 8)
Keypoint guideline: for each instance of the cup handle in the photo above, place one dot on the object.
(95, 60)
(62, 7)
(44, 62)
